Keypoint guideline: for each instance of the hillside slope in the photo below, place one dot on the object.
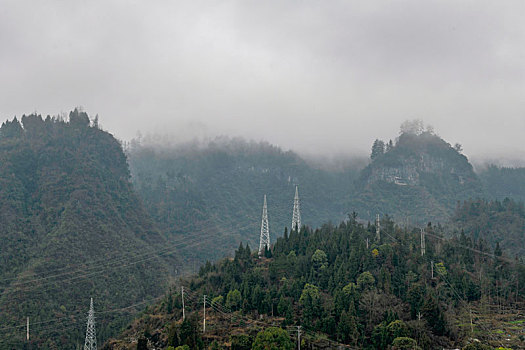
(71, 228)
(215, 191)
(496, 222)
(343, 292)
(502, 182)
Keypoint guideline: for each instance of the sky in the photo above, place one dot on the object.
(317, 77)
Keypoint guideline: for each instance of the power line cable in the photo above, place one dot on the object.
(103, 263)
(101, 269)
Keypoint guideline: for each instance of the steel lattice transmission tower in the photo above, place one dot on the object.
(296, 216)
(91, 337)
(265, 229)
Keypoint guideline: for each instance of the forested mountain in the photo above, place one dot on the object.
(496, 222)
(71, 228)
(503, 182)
(418, 178)
(215, 191)
(342, 291)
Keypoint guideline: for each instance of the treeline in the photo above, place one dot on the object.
(371, 297)
(496, 222)
(503, 182)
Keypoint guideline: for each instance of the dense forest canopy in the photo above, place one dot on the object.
(215, 190)
(71, 228)
(501, 222)
(76, 223)
(504, 182)
(419, 177)
(344, 285)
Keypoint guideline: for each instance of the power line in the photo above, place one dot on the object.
(101, 269)
(444, 278)
(217, 307)
(103, 263)
(490, 255)
(467, 305)
(69, 317)
(62, 318)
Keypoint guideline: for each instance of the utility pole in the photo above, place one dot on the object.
(91, 338)
(422, 242)
(204, 321)
(378, 228)
(432, 268)
(27, 328)
(366, 242)
(471, 325)
(182, 295)
(296, 214)
(517, 290)
(265, 230)
(298, 337)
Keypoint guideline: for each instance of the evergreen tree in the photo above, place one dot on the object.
(378, 149)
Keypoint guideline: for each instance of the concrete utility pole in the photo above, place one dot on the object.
(27, 328)
(432, 268)
(204, 321)
(265, 230)
(91, 337)
(299, 337)
(183, 311)
(366, 242)
(296, 215)
(471, 325)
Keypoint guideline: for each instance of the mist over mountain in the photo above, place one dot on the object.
(419, 178)
(81, 217)
(215, 190)
(206, 108)
(216, 185)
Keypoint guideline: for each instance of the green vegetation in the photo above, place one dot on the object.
(215, 191)
(272, 338)
(500, 223)
(70, 226)
(330, 283)
(418, 178)
(502, 182)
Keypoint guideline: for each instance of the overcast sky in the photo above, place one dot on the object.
(315, 76)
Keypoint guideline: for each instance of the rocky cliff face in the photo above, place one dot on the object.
(420, 178)
(409, 170)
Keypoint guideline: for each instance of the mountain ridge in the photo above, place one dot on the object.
(419, 178)
(70, 227)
